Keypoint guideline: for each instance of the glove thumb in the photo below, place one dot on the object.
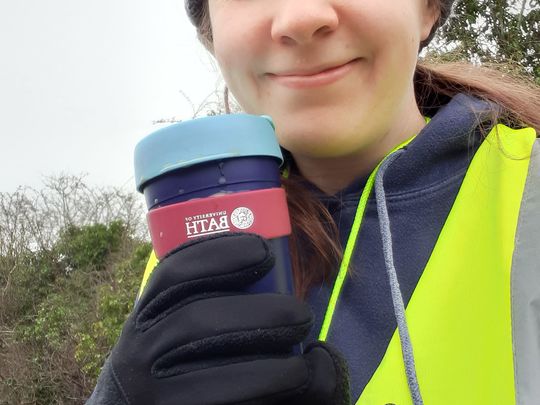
(329, 383)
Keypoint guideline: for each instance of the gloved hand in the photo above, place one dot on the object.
(195, 338)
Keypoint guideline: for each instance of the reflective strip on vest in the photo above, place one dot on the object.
(460, 314)
(526, 290)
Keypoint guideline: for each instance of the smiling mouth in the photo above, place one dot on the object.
(318, 77)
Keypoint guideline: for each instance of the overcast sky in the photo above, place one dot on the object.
(82, 81)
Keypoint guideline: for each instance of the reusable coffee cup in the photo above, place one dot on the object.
(215, 175)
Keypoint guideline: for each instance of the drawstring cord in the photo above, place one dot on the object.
(397, 299)
(375, 180)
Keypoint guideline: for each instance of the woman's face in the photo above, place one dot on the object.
(335, 75)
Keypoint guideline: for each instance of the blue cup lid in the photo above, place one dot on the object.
(202, 140)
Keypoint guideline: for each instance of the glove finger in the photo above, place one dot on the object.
(212, 330)
(269, 381)
(226, 262)
(318, 377)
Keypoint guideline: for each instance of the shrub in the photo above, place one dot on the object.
(69, 304)
(87, 247)
(114, 302)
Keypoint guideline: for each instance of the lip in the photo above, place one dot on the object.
(313, 77)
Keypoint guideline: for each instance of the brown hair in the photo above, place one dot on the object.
(314, 243)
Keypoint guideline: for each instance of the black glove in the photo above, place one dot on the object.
(195, 338)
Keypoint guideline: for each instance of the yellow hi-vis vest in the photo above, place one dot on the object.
(474, 316)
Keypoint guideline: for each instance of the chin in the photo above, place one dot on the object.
(318, 140)
(315, 147)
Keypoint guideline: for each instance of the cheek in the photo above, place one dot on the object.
(388, 24)
(226, 37)
(395, 41)
(231, 59)
(237, 55)
(237, 73)
(401, 36)
(237, 35)
(225, 48)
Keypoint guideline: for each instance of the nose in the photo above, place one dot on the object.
(301, 22)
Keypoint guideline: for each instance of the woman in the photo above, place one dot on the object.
(449, 233)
